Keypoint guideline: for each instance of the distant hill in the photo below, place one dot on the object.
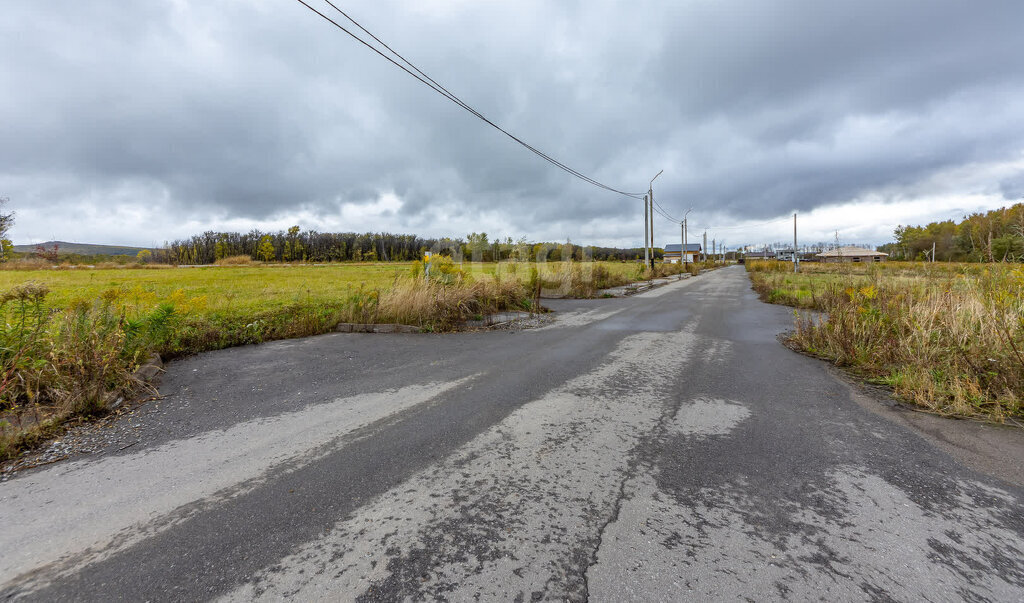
(81, 248)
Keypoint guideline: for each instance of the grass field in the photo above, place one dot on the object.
(71, 338)
(946, 337)
(250, 289)
(210, 289)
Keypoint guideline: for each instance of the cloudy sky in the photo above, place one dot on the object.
(139, 122)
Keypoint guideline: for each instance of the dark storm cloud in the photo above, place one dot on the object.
(253, 111)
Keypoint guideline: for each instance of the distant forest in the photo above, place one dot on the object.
(312, 246)
(995, 236)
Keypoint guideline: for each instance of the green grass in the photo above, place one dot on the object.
(71, 338)
(246, 290)
(213, 289)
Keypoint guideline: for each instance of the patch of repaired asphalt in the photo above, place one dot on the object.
(515, 514)
(134, 496)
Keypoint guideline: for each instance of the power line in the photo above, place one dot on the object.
(436, 87)
(664, 213)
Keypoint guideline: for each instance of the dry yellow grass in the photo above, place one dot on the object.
(947, 338)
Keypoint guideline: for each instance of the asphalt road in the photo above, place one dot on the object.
(659, 447)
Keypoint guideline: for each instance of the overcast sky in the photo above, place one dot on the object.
(140, 122)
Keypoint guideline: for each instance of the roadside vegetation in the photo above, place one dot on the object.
(71, 339)
(946, 337)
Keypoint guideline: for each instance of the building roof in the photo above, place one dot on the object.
(849, 250)
(759, 254)
(674, 248)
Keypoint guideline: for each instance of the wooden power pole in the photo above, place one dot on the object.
(650, 193)
(796, 263)
(646, 222)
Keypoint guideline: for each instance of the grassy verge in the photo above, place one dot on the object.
(69, 347)
(946, 337)
(71, 339)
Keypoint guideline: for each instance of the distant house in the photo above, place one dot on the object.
(785, 255)
(672, 252)
(852, 254)
(759, 255)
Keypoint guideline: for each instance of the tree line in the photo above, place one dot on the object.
(296, 245)
(993, 236)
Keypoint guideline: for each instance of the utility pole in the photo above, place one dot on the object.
(704, 248)
(650, 194)
(682, 257)
(682, 239)
(645, 230)
(685, 257)
(796, 263)
(933, 252)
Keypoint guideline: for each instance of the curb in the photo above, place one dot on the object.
(354, 327)
(497, 318)
(641, 286)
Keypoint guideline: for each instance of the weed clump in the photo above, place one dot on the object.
(56, 365)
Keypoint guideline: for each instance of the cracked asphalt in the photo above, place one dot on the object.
(661, 447)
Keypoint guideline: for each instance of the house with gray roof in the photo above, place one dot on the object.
(672, 252)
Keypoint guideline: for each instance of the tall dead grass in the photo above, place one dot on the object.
(26, 264)
(951, 342)
(235, 260)
(578, 279)
(439, 306)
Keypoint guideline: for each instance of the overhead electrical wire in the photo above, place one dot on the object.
(436, 87)
(661, 210)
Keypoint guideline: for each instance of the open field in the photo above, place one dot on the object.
(213, 289)
(71, 338)
(947, 337)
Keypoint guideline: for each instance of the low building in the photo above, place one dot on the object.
(852, 254)
(672, 252)
(785, 255)
(759, 255)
